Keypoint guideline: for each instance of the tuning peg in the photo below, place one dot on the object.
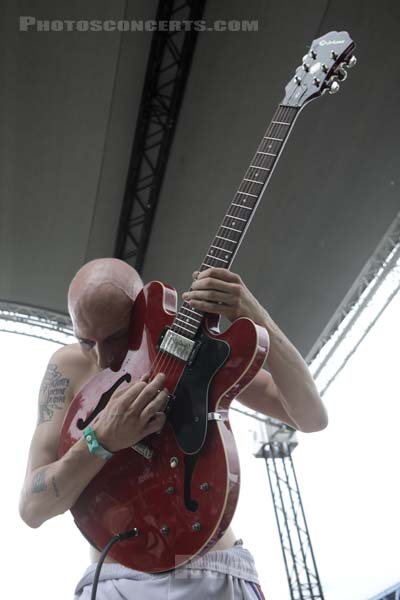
(352, 61)
(341, 73)
(333, 87)
(304, 58)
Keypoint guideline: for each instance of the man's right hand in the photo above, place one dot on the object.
(132, 414)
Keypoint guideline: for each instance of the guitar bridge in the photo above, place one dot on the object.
(176, 345)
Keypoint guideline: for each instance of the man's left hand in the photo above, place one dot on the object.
(220, 291)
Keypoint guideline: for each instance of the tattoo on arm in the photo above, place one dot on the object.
(55, 488)
(52, 393)
(39, 482)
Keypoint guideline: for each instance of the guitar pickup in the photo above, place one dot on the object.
(176, 345)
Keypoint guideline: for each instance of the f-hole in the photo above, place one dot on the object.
(81, 424)
(190, 462)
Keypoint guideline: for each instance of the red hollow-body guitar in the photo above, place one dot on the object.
(180, 488)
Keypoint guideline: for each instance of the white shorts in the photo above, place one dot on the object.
(224, 574)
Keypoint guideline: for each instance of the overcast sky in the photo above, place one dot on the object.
(348, 475)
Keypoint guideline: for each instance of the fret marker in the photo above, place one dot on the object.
(233, 222)
(256, 175)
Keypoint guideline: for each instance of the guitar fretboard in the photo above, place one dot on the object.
(241, 210)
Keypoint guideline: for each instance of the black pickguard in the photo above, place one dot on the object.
(189, 409)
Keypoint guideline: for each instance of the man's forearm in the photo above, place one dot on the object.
(52, 489)
(293, 378)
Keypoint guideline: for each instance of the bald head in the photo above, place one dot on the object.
(103, 279)
(100, 300)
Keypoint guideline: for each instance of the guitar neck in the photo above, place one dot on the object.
(231, 232)
(321, 69)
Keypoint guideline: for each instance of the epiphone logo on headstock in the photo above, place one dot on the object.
(328, 42)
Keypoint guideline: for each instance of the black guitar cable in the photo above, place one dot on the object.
(117, 538)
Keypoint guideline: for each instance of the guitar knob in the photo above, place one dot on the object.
(341, 73)
(164, 530)
(352, 61)
(333, 87)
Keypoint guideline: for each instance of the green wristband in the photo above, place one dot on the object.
(94, 446)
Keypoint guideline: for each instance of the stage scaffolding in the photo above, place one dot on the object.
(36, 322)
(167, 73)
(274, 442)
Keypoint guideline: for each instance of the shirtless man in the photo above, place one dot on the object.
(100, 299)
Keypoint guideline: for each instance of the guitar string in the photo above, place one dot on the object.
(248, 187)
(282, 115)
(163, 361)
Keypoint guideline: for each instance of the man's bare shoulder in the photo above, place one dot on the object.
(70, 357)
(71, 362)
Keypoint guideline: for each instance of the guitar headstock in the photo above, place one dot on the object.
(323, 67)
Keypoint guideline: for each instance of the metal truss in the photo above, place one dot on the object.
(301, 568)
(275, 441)
(35, 322)
(168, 69)
(392, 593)
(376, 269)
